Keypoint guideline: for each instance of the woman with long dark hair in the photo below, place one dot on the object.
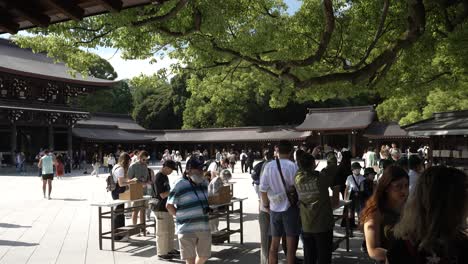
(433, 224)
(119, 173)
(382, 211)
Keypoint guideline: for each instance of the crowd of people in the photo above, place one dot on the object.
(297, 202)
(408, 213)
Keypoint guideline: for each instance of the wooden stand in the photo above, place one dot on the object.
(134, 192)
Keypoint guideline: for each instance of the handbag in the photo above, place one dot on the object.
(291, 192)
(155, 201)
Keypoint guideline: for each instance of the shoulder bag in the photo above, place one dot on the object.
(291, 192)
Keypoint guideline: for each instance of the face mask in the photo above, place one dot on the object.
(197, 178)
(356, 172)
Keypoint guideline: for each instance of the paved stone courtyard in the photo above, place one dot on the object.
(65, 229)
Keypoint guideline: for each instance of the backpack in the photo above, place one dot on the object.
(110, 183)
(256, 172)
(308, 189)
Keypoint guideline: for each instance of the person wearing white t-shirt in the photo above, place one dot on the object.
(352, 192)
(119, 173)
(284, 216)
(111, 161)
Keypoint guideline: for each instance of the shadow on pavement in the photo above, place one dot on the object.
(235, 253)
(69, 199)
(16, 243)
(7, 225)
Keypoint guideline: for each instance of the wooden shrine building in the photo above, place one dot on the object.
(448, 133)
(36, 101)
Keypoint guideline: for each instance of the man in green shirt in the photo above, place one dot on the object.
(316, 209)
(46, 163)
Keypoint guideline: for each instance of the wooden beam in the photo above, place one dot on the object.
(30, 11)
(7, 23)
(69, 8)
(112, 5)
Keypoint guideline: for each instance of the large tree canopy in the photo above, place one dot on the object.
(411, 50)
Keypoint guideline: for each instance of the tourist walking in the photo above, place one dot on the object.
(119, 174)
(370, 158)
(383, 210)
(59, 166)
(46, 163)
(110, 161)
(354, 192)
(20, 159)
(250, 161)
(96, 164)
(316, 209)
(166, 156)
(105, 163)
(67, 163)
(164, 222)
(344, 170)
(243, 159)
(139, 171)
(232, 160)
(188, 202)
(178, 161)
(433, 224)
(280, 198)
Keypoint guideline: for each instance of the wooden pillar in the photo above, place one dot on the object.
(13, 142)
(51, 137)
(69, 142)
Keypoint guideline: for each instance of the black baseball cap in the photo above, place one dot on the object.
(356, 165)
(194, 163)
(170, 164)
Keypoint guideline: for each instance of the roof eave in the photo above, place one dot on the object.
(55, 78)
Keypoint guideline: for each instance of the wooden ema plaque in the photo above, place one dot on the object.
(133, 192)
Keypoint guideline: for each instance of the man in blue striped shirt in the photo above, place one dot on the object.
(188, 202)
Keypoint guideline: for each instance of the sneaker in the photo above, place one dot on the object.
(123, 239)
(165, 257)
(49, 198)
(175, 252)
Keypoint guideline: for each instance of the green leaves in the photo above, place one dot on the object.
(242, 53)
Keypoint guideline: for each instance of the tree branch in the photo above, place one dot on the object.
(172, 13)
(379, 33)
(214, 65)
(325, 38)
(197, 20)
(103, 34)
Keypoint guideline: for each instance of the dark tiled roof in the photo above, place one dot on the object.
(24, 62)
(112, 120)
(385, 130)
(50, 12)
(241, 134)
(343, 118)
(445, 123)
(108, 134)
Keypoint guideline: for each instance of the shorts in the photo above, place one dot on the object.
(285, 223)
(49, 176)
(138, 203)
(195, 244)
